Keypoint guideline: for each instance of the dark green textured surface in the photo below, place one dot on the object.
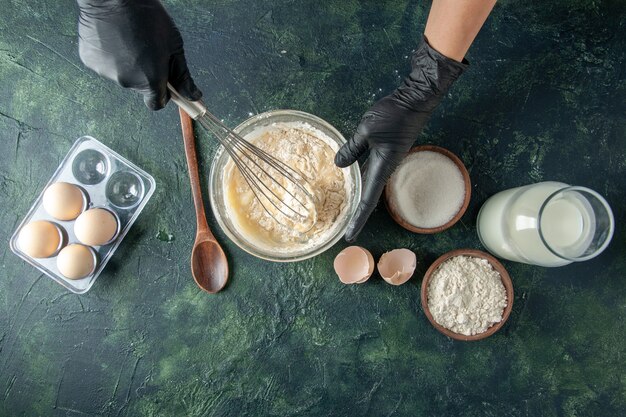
(544, 99)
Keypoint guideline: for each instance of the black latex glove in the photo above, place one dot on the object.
(389, 129)
(136, 44)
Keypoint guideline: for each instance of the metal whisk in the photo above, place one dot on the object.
(282, 191)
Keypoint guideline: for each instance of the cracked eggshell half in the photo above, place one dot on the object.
(354, 265)
(397, 266)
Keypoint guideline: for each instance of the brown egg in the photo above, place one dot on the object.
(96, 227)
(76, 261)
(39, 239)
(64, 201)
(397, 266)
(354, 265)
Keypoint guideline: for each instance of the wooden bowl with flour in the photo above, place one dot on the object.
(497, 267)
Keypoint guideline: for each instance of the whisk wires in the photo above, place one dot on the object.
(282, 191)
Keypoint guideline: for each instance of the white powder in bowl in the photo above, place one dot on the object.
(428, 189)
(310, 152)
(466, 295)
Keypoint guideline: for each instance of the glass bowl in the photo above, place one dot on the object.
(217, 195)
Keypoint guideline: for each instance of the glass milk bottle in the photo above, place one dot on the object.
(546, 224)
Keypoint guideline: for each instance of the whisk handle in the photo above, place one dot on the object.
(194, 109)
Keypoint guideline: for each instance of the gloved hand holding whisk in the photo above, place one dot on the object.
(136, 44)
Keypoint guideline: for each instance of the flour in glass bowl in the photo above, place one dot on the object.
(311, 153)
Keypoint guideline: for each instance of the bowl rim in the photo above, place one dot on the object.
(395, 215)
(247, 247)
(497, 266)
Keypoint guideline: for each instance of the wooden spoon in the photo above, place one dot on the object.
(209, 266)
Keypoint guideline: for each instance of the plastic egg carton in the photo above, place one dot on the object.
(109, 181)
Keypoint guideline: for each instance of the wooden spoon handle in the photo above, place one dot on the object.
(194, 177)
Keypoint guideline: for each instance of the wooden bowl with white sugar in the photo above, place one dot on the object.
(460, 300)
(430, 190)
